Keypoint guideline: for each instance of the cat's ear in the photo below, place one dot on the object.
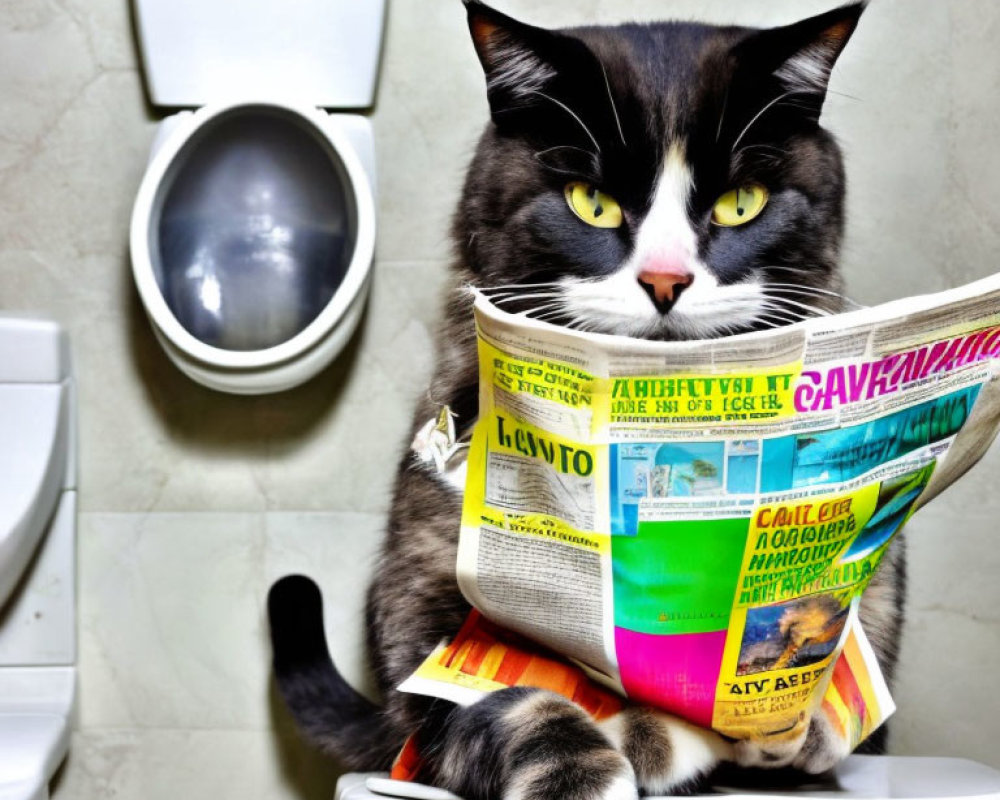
(527, 67)
(801, 56)
(516, 58)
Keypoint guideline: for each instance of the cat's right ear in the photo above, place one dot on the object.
(526, 66)
(516, 57)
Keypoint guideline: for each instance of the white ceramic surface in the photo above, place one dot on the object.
(857, 778)
(37, 555)
(197, 52)
(33, 429)
(348, 144)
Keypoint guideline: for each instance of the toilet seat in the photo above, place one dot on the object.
(242, 301)
(301, 356)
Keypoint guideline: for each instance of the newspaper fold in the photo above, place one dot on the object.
(693, 523)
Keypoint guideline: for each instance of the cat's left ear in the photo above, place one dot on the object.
(801, 56)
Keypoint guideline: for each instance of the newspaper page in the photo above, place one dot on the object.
(693, 523)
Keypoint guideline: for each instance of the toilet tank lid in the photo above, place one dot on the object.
(32, 350)
(321, 52)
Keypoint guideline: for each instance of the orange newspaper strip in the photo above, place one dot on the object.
(485, 650)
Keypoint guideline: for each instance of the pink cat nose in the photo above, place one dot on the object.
(664, 284)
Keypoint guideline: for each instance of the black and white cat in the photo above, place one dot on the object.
(665, 181)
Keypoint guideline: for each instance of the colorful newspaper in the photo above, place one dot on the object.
(692, 524)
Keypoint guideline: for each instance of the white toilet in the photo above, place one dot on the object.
(856, 778)
(253, 230)
(37, 555)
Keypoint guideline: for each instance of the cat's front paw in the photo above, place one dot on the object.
(816, 750)
(598, 776)
(528, 744)
(823, 749)
(668, 754)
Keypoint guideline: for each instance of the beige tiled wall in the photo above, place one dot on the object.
(193, 502)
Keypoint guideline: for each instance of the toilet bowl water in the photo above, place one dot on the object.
(254, 234)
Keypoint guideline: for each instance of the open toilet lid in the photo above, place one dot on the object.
(321, 52)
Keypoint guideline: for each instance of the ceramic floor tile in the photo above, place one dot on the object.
(194, 764)
(70, 193)
(586, 12)
(430, 108)
(953, 626)
(171, 629)
(948, 668)
(338, 551)
(102, 23)
(894, 144)
(50, 57)
(954, 560)
(346, 460)
(974, 223)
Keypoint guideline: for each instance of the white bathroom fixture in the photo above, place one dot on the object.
(37, 555)
(253, 230)
(856, 778)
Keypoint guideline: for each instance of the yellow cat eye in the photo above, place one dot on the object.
(593, 206)
(740, 205)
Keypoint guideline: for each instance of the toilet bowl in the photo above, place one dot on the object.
(37, 555)
(253, 229)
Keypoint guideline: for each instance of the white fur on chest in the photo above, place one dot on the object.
(436, 446)
(456, 471)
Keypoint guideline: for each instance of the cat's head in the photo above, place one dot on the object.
(656, 180)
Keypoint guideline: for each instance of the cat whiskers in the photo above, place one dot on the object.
(722, 116)
(539, 157)
(552, 298)
(829, 304)
(545, 313)
(511, 295)
(814, 311)
(779, 316)
(504, 290)
(806, 290)
(541, 153)
(525, 293)
(770, 153)
(614, 109)
(571, 112)
(768, 312)
(760, 113)
(501, 286)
